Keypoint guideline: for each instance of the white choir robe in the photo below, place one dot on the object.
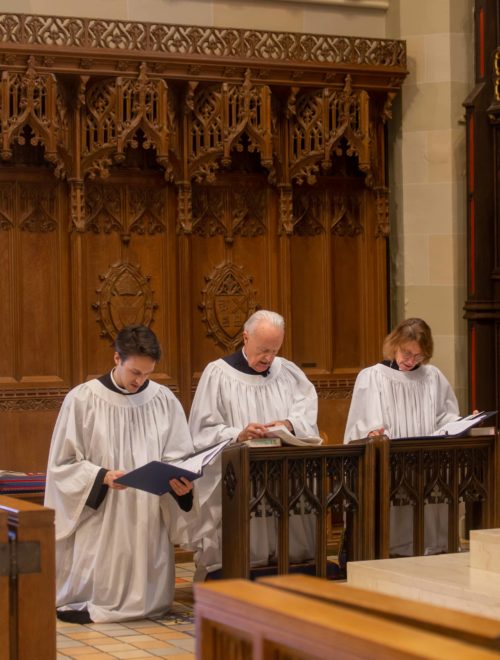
(226, 400)
(116, 561)
(405, 404)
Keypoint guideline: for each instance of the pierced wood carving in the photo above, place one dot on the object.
(324, 124)
(33, 99)
(262, 46)
(125, 112)
(220, 116)
(124, 298)
(228, 300)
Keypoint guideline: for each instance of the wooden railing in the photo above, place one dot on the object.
(459, 472)
(27, 581)
(356, 484)
(333, 481)
(303, 617)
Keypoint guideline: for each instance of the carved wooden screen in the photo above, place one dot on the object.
(183, 177)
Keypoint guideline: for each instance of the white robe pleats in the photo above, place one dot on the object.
(226, 401)
(117, 561)
(405, 404)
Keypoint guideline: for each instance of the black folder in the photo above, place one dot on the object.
(154, 477)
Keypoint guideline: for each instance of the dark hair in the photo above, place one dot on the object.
(137, 340)
(413, 329)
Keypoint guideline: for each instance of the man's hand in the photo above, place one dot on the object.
(253, 430)
(109, 479)
(376, 432)
(181, 486)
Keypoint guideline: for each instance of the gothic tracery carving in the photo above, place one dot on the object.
(319, 122)
(33, 99)
(220, 115)
(119, 112)
(345, 219)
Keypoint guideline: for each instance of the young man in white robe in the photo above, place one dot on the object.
(114, 552)
(240, 397)
(404, 396)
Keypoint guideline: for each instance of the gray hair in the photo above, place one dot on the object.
(273, 318)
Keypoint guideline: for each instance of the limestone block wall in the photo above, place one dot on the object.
(428, 241)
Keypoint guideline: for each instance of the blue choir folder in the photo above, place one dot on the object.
(154, 476)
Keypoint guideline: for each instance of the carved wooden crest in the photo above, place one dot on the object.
(228, 300)
(125, 298)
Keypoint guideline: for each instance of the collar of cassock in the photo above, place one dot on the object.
(108, 381)
(239, 362)
(392, 364)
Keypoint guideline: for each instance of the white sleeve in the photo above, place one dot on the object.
(207, 419)
(446, 401)
(70, 476)
(303, 413)
(365, 412)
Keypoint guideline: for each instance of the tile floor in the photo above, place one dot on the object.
(170, 637)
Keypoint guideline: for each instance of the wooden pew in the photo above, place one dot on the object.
(255, 621)
(331, 479)
(29, 560)
(472, 629)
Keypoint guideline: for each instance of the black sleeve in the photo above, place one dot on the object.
(184, 501)
(99, 490)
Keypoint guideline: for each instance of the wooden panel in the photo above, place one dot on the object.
(4, 591)
(262, 622)
(185, 201)
(26, 435)
(34, 601)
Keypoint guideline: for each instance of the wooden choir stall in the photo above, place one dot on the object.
(353, 487)
(27, 581)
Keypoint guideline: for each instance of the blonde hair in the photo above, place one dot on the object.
(413, 329)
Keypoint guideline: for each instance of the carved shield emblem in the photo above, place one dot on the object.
(125, 298)
(231, 313)
(228, 300)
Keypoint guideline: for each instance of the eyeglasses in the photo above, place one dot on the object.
(407, 355)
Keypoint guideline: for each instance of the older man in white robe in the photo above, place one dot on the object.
(240, 397)
(114, 552)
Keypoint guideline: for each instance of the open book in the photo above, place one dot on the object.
(154, 477)
(460, 426)
(287, 438)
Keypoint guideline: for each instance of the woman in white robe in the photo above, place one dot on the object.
(230, 396)
(114, 552)
(401, 397)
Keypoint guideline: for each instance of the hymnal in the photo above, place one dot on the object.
(463, 425)
(459, 427)
(154, 477)
(287, 438)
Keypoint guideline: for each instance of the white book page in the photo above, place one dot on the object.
(280, 431)
(460, 425)
(197, 462)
